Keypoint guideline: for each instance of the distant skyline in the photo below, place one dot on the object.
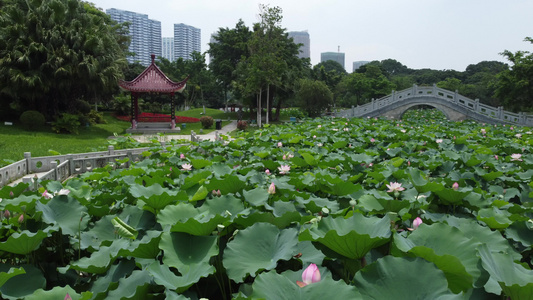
(436, 34)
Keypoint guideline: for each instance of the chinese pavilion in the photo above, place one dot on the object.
(152, 80)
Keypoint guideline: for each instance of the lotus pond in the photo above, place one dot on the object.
(421, 208)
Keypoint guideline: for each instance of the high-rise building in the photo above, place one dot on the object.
(302, 37)
(358, 64)
(335, 56)
(187, 39)
(168, 48)
(145, 35)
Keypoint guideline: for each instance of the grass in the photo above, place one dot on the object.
(14, 140)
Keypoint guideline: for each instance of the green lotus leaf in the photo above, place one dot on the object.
(515, 281)
(200, 163)
(22, 285)
(99, 261)
(450, 196)
(270, 285)
(229, 184)
(520, 232)
(23, 242)
(257, 248)
(103, 230)
(164, 276)
(202, 224)
(256, 197)
(221, 169)
(422, 184)
(146, 247)
(134, 286)
(59, 292)
(66, 212)
(395, 277)
(224, 205)
(16, 204)
(458, 260)
(351, 237)
(249, 219)
(200, 194)
(108, 282)
(494, 217)
(5, 276)
(5, 191)
(309, 159)
(315, 204)
(371, 203)
(309, 253)
(186, 252)
(195, 178)
(123, 229)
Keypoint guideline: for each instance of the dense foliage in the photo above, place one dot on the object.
(55, 51)
(376, 205)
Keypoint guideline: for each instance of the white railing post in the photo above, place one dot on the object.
(500, 112)
(110, 150)
(27, 156)
(476, 105)
(71, 166)
(434, 91)
(456, 97)
(53, 166)
(373, 104)
(392, 96)
(414, 89)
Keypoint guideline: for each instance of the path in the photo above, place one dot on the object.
(146, 138)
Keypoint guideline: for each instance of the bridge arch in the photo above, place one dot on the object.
(454, 106)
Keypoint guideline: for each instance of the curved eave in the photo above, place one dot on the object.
(153, 80)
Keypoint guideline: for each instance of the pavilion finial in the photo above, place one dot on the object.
(153, 57)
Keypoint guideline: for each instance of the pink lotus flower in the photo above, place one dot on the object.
(272, 189)
(186, 167)
(267, 171)
(284, 157)
(372, 140)
(496, 157)
(438, 141)
(310, 275)
(284, 169)
(47, 195)
(395, 187)
(417, 222)
(518, 135)
(319, 126)
(516, 157)
(455, 186)
(280, 144)
(67, 297)
(182, 156)
(483, 130)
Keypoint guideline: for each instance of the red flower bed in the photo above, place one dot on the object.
(151, 117)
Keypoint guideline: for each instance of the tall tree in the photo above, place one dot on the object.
(515, 86)
(229, 48)
(54, 51)
(314, 97)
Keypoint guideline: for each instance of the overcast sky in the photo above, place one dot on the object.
(436, 34)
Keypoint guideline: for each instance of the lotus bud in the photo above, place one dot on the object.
(417, 222)
(67, 297)
(21, 218)
(11, 194)
(272, 189)
(310, 275)
(267, 171)
(455, 186)
(182, 156)
(218, 193)
(7, 214)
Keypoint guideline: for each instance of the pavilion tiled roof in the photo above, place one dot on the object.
(153, 80)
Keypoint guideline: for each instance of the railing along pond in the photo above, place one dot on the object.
(61, 167)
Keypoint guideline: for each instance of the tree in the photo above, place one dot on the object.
(230, 48)
(314, 97)
(55, 51)
(515, 86)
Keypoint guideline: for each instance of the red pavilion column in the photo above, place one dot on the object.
(172, 112)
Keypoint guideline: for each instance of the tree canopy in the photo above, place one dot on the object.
(55, 51)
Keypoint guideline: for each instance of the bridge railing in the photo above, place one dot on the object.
(496, 113)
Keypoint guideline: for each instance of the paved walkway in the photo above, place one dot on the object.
(145, 138)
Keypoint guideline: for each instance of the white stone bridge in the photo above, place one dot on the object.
(456, 107)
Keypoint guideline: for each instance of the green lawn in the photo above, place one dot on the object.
(14, 140)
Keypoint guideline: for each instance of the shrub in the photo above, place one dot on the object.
(207, 121)
(96, 117)
(82, 106)
(122, 105)
(67, 123)
(241, 125)
(32, 119)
